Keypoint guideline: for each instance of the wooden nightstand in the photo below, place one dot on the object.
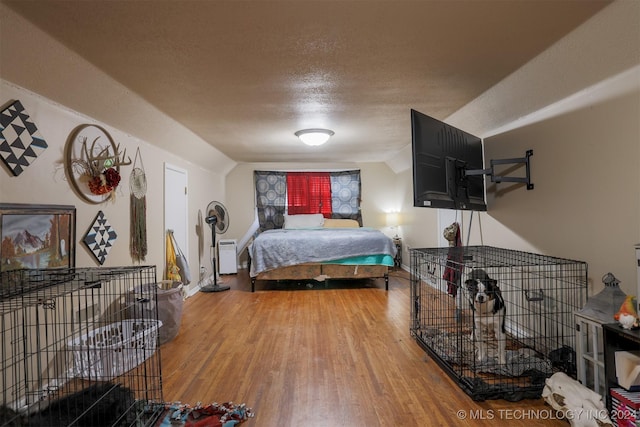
(397, 261)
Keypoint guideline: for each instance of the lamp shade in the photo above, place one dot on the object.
(314, 136)
(602, 306)
(392, 219)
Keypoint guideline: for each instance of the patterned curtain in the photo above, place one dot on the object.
(345, 195)
(271, 198)
(309, 193)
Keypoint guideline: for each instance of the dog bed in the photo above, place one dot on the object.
(519, 362)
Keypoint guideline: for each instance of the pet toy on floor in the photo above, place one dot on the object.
(213, 415)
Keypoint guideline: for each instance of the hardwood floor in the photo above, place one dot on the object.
(322, 357)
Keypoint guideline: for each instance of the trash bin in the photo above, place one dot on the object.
(141, 304)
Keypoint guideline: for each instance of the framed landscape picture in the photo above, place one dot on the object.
(37, 236)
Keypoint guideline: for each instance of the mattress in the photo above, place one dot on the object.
(349, 246)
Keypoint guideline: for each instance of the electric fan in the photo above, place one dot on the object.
(218, 219)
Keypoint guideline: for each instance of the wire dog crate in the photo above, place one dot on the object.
(73, 351)
(540, 294)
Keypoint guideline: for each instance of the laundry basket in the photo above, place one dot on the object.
(141, 304)
(108, 352)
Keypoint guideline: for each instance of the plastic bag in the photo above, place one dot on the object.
(172, 271)
(181, 262)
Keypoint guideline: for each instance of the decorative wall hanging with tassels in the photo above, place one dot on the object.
(138, 208)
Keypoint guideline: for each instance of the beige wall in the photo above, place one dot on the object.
(577, 105)
(44, 182)
(585, 204)
(418, 227)
(33, 60)
(60, 91)
(586, 200)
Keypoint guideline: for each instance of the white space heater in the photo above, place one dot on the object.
(227, 258)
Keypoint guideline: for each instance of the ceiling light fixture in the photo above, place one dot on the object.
(314, 136)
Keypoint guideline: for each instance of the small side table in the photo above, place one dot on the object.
(397, 261)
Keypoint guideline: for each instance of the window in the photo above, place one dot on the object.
(334, 194)
(309, 193)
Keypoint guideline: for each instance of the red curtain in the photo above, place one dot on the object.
(309, 192)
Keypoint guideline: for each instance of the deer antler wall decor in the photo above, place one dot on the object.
(103, 160)
(94, 168)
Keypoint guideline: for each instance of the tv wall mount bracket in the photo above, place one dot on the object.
(500, 178)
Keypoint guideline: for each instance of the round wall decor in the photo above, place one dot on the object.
(92, 163)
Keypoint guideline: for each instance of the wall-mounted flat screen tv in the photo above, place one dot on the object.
(441, 156)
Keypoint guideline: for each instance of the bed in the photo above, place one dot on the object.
(309, 247)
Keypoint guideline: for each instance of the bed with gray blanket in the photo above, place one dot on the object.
(320, 254)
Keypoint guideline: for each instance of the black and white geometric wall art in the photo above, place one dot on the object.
(20, 139)
(100, 237)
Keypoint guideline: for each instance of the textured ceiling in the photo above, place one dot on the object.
(245, 75)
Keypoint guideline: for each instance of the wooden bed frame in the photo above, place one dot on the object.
(310, 271)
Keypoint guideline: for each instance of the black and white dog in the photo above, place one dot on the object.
(488, 312)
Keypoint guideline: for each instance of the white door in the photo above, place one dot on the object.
(175, 205)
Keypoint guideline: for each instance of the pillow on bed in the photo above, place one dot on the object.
(303, 221)
(341, 223)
